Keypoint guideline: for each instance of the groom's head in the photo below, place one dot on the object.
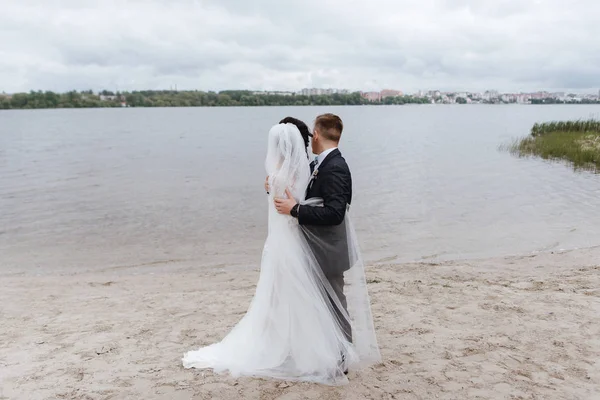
(327, 132)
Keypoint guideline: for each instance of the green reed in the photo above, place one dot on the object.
(577, 142)
(590, 125)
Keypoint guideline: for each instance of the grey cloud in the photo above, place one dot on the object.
(266, 44)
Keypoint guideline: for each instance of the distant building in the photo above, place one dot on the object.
(505, 98)
(278, 93)
(371, 96)
(108, 98)
(311, 92)
(308, 92)
(540, 95)
(523, 98)
(390, 93)
(320, 92)
(490, 95)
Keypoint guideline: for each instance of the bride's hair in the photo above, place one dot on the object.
(304, 131)
(287, 160)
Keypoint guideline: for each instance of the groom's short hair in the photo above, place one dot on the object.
(330, 126)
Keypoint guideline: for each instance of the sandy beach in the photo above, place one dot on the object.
(510, 328)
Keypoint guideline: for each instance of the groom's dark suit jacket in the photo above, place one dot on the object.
(332, 183)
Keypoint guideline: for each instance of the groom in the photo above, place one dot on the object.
(325, 226)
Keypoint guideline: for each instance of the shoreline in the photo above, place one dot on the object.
(510, 327)
(186, 265)
(305, 105)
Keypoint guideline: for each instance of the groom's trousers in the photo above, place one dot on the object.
(337, 283)
(329, 245)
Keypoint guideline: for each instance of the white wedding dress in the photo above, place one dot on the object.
(290, 330)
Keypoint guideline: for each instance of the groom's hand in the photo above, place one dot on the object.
(284, 206)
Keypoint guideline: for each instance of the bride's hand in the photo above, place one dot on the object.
(267, 184)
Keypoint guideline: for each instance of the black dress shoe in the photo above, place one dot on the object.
(343, 364)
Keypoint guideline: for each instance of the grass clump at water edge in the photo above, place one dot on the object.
(575, 141)
(590, 125)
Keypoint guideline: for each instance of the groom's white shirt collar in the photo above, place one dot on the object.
(324, 154)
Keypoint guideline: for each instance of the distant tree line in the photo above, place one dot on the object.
(39, 99)
(170, 98)
(551, 100)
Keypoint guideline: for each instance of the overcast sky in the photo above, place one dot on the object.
(508, 45)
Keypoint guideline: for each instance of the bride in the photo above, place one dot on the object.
(291, 330)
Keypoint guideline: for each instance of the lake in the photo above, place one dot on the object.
(103, 188)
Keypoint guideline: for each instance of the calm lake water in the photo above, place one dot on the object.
(95, 189)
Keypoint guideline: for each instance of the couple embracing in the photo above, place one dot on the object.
(310, 318)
